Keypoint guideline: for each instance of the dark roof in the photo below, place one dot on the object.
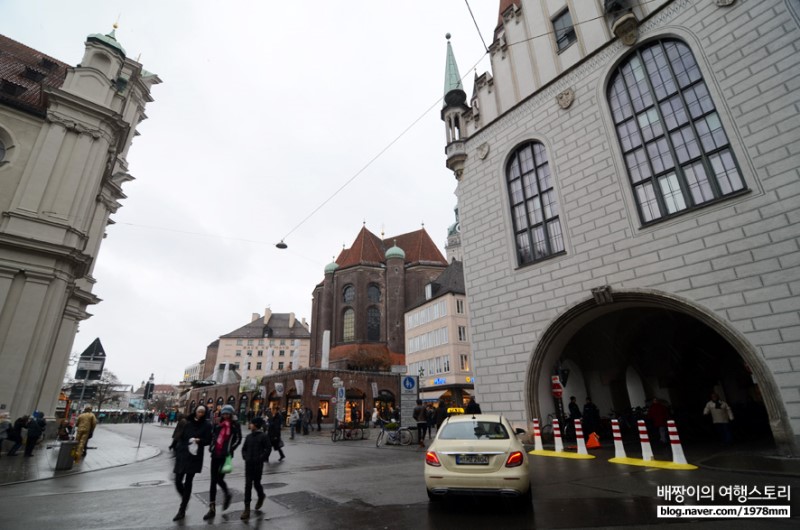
(25, 74)
(369, 249)
(451, 280)
(278, 323)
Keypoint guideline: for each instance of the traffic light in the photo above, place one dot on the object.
(148, 390)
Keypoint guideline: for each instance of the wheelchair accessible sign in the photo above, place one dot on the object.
(409, 385)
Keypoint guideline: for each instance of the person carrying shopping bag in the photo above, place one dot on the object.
(226, 437)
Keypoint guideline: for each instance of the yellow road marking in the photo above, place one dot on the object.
(651, 463)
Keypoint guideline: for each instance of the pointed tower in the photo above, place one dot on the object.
(454, 106)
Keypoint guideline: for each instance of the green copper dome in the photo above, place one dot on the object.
(330, 267)
(395, 252)
(109, 40)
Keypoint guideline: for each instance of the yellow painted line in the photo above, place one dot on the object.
(561, 454)
(651, 463)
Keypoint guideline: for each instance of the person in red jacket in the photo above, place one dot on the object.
(658, 414)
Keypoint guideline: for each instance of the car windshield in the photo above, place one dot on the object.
(474, 430)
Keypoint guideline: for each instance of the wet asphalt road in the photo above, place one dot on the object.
(353, 485)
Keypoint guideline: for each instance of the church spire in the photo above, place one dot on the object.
(453, 114)
(453, 90)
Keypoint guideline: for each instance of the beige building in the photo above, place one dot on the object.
(65, 132)
(276, 342)
(437, 339)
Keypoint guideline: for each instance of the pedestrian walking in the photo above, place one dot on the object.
(85, 426)
(721, 417)
(35, 428)
(294, 419)
(472, 407)
(441, 414)
(274, 435)
(591, 417)
(430, 419)
(375, 417)
(178, 431)
(319, 419)
(658, 414)
(189, 450)
(422, 422)
(306, 419)
(225, 438)
(255, 450)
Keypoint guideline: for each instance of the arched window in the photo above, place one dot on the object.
(373, 293)
(534, 210)
(348, 294)
(373, 324)
(675, 149)
(349, 326)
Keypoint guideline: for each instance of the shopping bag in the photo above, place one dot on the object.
(227, 467)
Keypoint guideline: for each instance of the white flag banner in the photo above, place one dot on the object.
(374, 390)
(315, 387)
(279, 389)
(298, 384)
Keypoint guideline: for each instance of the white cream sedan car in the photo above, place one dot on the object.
(477, 454)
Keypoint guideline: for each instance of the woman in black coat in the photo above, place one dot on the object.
(189, 449)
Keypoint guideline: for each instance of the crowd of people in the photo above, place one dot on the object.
(33, 425)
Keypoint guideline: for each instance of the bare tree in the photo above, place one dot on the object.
(108, 389)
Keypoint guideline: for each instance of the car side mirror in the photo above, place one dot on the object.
(519, 431)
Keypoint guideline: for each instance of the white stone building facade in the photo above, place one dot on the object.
(642, 285)
(64, 137)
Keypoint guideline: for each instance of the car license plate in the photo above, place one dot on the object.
(472, 460)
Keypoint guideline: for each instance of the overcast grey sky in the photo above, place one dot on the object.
(265, 110)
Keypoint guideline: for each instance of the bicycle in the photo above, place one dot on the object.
(401, 436)
(347, 432)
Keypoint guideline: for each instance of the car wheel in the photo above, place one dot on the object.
(434, 498)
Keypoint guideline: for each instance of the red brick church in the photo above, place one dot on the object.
(363, 298)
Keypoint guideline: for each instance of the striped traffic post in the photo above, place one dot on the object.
(537, 436)
(579, 436)
(675, 442)
(619, 449)
(557, 436)
(647, 451)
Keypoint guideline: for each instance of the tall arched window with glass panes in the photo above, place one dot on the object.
(676, 152)
(534, 209)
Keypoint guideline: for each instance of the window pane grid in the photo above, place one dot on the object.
(534, 206)
(686, 159)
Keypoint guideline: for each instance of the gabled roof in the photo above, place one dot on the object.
(369, 249)
(27, 73)
(278, 323)
(450, 281)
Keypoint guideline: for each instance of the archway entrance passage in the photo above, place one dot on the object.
(628, 347)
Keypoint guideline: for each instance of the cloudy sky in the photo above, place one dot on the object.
(266, 109)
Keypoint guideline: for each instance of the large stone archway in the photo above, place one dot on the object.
(562, 329)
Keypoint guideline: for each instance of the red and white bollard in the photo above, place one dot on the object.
(675, 442)
(579, 437)
(537, 436)
(647, 451)
(619, 449)
(557, 436)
